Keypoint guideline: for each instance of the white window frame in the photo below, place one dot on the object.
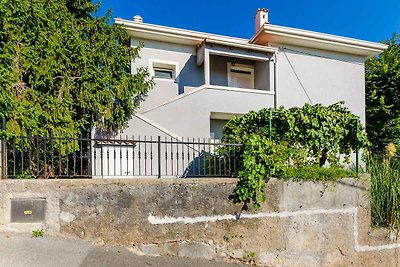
(240, 67)
(164, 64)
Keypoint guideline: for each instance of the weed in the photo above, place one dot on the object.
(25, 175)
(385, 191)
(37, 233)
(252, 254)
(229, 237)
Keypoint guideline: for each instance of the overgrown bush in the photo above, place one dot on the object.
(303, 140)
(259, 161)
(323, 132)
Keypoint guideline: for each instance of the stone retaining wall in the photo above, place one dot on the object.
(301, 223)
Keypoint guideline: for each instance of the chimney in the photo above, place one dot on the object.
(261, 18)
(137, 19)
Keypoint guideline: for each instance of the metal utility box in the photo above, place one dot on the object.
(28, 210)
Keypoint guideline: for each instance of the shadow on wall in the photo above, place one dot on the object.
(190, 75)
(208, 164)
(196, 167)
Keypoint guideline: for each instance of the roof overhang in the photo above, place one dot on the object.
(147, 31)
(272, 34)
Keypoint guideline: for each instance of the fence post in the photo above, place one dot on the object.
(357, 146)
(270, 124)
(159, 156)
(3, 151)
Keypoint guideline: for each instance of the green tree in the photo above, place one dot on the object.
(383, 96)
(63, 68)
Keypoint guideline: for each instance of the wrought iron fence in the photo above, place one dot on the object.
(85, 157)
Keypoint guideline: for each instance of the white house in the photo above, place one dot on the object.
(203, 80)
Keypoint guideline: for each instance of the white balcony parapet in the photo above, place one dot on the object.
(210, 87)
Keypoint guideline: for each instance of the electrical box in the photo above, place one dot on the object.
(28, 210)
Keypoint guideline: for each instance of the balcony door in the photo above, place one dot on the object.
(240, 76)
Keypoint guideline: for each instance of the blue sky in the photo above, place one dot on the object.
(370, 20)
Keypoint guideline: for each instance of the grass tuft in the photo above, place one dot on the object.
(385, 191)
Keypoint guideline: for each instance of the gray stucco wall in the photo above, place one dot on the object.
(189, 75)
(190, 115)
(262, 76)
(218, 70)
(327, 78)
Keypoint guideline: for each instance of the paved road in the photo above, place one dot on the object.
(21, 250)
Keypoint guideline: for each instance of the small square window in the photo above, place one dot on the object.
(163, 69)
(163, 73)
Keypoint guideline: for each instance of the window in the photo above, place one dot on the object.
(217, 122)
(216, 126)
(163, 73)
(166, 70)
(240, 75)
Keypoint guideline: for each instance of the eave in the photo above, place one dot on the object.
(147, 31)
(278, 35)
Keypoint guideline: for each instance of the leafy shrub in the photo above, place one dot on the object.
(303, 139)
(322, 132)
(258, 163)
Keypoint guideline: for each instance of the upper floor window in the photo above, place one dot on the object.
(162, 69)
(166, 73)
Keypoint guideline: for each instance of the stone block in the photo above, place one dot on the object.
(196, 250)
(151, 249)
(306, 234)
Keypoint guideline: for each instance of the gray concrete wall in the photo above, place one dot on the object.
(327, 78)
(300, 224)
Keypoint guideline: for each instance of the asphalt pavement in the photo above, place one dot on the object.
(22, 250)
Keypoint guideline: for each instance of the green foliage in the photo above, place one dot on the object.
(24, 175)
(258, 163)
(252, 254)
(228, 237)
(37, 233)
(315, 173)
(383, 97)
(62, 68)
(303, 140)
(385, 191)
(321, 132)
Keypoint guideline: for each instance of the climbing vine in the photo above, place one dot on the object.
(301, 137)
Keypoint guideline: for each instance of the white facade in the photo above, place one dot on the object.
(207, 76)
(202, 80)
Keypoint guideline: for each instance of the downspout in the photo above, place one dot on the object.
(275, 84)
